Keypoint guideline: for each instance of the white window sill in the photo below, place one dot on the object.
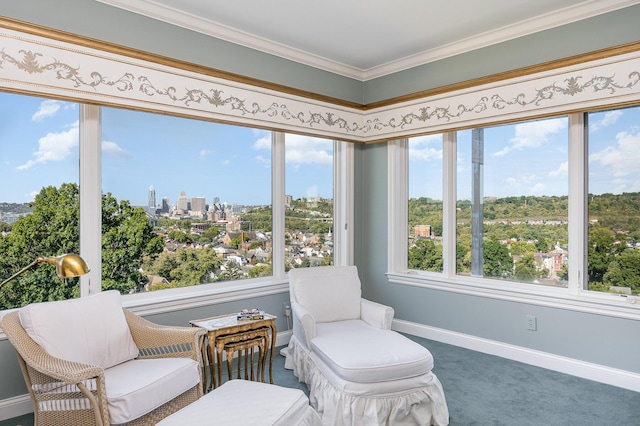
(613, 305)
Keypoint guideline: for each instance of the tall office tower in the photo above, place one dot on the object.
(165, 205)
(216, 200)
(152, 199)
(199, 204)
(183, 202)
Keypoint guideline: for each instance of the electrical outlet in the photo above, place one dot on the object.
(287, 310)
(532, 323)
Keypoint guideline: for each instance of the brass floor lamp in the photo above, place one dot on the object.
(67, 266)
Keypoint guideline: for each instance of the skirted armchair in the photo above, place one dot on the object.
(88, 361)
(358, 371)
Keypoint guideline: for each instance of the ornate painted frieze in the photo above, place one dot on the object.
(49, 67)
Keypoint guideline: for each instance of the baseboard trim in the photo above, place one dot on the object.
(21, 405)
(16, 406)
(596, 372)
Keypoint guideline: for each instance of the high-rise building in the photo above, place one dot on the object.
(165, 205)
(183, 202)
(199, 204)
(151, 204)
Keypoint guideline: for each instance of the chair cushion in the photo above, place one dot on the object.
(329, 293)
(91, 330)
(134, 388)
(242, 402)
(357, 352)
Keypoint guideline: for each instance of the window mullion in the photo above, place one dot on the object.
(278, 203)
(577, 202)
(449, 196)
(343, 195)
(398, 194)
(91, 197)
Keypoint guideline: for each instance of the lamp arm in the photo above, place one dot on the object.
(23, 270)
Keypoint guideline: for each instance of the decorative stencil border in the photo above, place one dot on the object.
(50, 67)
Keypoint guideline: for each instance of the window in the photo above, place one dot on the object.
(536, 211)
(186, 202)
(39, 197)
(512, 202)
(425, 203)
(308, 201)
(613, 245)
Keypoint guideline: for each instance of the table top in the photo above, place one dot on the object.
(228, 320)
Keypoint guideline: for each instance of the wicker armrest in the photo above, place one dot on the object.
(154, 340)
(38, 359)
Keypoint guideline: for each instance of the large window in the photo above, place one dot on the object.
(183, 202)
(39, 200)
(613, 244)
(547, 208)
(191, 201)
(308, 201)
(512, 199)
(425, 203)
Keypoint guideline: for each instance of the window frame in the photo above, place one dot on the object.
(206, 294)
(574, 297)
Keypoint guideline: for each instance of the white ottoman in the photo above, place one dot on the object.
(245, 402)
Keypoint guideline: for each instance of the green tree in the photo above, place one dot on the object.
(53, 229)
(425, 255)
(602, 249)
(231, 271)
(50, 230)
(127, 237)
(624, 271)
(497, 261)
(525, 268)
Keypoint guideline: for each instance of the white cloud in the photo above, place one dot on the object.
(301, 150)
(114, 149)
(262, 160)
(562, 170)
(54, 147)
(263, 142)
(204, 153)
(47, 109)
(622, 157)
(532, 134)
(422, 148)
(609, 118)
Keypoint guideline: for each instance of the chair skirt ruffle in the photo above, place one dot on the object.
(347, 403)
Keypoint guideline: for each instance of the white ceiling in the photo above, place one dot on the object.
(364, 39)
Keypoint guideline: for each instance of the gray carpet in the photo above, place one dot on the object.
(487, 390)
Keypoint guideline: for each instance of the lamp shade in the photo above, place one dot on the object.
(68, 265)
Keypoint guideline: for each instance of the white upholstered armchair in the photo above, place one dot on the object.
(357, 369)
(89, 362)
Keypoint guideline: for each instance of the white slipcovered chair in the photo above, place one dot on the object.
(358, 371)
(88, 361)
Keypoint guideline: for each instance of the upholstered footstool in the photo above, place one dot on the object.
(244, 402)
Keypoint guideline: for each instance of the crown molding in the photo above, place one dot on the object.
(587, 9)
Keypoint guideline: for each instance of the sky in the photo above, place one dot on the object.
(39, 145)
(531, 158)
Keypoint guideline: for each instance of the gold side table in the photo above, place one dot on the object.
(226, 329)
